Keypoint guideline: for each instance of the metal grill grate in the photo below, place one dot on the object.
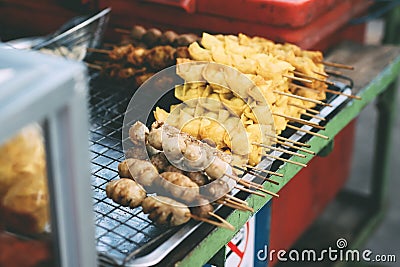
(120, 231)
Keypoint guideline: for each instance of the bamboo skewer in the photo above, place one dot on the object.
(315, 125)
(252, 185)
(249, 191)
(223, 223)
(288, 140)
(243, 182)
(337, 65)
(262, 177)
(344, 94)
(96, 50)
(261, 170)
(307, 109)
(242, 206)
(306, 131)
(295, 147)
(236, 199)
(314, 78)
(321, 73)
(303, 98)
(279, 149)
(285, 160)
(327, 90)
(334, 72)
(234, 205)
(94, 66)
(313, 116)
(124, 31)
(297, 78)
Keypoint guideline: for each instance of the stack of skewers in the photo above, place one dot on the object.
(292, 81)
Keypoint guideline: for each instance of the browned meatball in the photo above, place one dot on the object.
(125, 192)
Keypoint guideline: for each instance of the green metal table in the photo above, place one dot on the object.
(375, 77)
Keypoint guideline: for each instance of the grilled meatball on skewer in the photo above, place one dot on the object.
(125, 192)
(166, 211)
(142, 171)
(179, 186)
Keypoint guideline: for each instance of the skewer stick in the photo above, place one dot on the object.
(238, 205)
(279, 149)
(327, 90)
(249, 191)
(314, 78)
(124, 31)
(307, 109)
(306, 131)
(94, 66)
(321, 73)
(313, 116)
(285, 160)
(288, 140)
(263, 178)
(96, 50)
(234, 205)
(340, 93)
(334, 72)
(243, 182)
(299, 120)
(251, 185)
(261, 170)
(236, 199)
(296, 147)
(297, 78)
(223, 223)
(268, 192)
(221, 219)
(337, 65)
(303, 98)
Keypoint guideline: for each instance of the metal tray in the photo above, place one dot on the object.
(126, 236)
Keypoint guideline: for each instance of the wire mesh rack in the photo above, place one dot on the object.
(122, 232)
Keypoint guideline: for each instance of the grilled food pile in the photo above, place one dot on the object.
(269, 74)
(187, 175)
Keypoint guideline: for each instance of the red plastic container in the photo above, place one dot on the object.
(288, 13)
(127, 13)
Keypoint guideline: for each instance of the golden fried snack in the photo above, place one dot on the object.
(24, 203)
(25, 206)
(125, 192)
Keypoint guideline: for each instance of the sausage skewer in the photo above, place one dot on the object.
(217, 168)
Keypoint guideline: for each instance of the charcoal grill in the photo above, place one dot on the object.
(126, 236)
